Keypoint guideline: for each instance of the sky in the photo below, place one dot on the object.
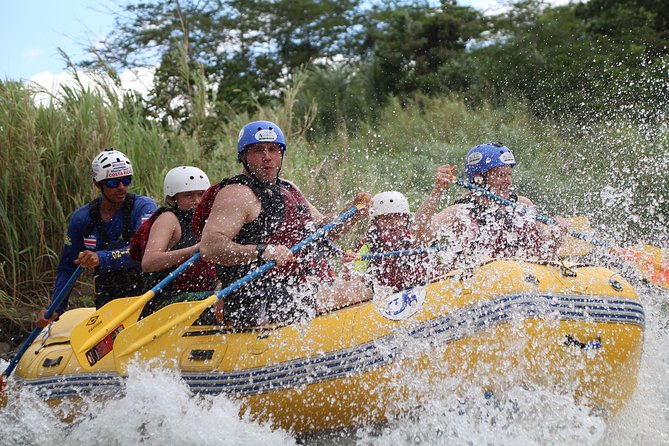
(31, 31)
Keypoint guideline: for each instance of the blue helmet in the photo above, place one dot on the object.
(259, 131)
(484, 157)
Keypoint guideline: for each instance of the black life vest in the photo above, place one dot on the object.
(117, 283)
(284, 219)
(200, 276)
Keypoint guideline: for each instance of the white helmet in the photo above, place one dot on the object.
(184, 179)
(110, 163)
(389, 203)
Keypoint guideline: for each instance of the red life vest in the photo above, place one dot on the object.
(498, 231)
(397, 272)
(201, 276)
(284, 219)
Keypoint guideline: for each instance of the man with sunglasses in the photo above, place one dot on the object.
(99, 234)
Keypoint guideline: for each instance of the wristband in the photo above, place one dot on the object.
(260, 249)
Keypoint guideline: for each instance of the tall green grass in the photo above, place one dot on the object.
(613, 172)
(45, 156)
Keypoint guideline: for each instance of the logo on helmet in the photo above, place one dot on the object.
(118, 169)
(474, 158)
(507, 158)
(266, 135)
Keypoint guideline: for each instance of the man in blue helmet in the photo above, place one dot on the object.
(256, 217)
(99, 234)
(478, 228)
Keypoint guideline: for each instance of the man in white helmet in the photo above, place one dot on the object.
(166, 240)
(99, 234)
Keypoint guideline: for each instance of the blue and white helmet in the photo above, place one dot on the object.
(484, 157)
(259, 131)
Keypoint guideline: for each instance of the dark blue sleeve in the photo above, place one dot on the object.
(120, 258)
(74, 244)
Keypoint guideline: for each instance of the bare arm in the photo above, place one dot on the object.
(364, 202)
(443, 178)
(234, 206)
(447, 218)
(165, 233)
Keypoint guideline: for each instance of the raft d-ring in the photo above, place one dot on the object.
(531, 278)
(567, 271)
(615, 284)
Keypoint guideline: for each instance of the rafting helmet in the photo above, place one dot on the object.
(389, 203)
(110, 163)
(259, 131)
(184, 179)
(484, 157)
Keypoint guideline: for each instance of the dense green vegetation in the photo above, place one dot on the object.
(578, 92)
(589, 61)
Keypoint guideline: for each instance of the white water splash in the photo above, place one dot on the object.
(158, 409)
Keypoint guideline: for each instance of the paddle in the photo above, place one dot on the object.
(403, 252)
(650, 261)
(64, 292)
(172, 320)
(653, 267)
(93, 338)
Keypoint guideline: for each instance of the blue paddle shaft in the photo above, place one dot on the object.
(404, 252)
(269, 265)
(64, 292)
(166, 281)
(522, 210)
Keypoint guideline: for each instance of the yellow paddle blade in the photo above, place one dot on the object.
(147, 338)
(93, 338)
(572, 246)
(651, 261)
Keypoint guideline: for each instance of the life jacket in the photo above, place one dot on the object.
(284, 219)
(498, 231)
(396, 272)
(141, 236)
(122, 282)
(201, 276)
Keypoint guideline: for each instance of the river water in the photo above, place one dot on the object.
(158, 409)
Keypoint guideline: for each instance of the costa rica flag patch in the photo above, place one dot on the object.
(90, 242)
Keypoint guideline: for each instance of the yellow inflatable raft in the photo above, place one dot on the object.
(571, 328)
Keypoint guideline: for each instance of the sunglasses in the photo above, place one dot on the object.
(113, 183)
